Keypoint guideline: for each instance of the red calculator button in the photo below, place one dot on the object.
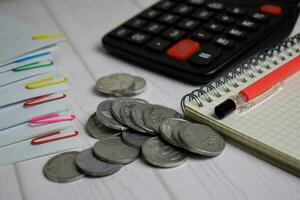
(271, 10)
(183, 49)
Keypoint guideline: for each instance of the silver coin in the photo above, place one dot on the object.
(62, 168)
(155, 114)
(104, 115)
(138, 87)
(201, 139)
(115, 83)
(114, 150)
(126, 116)
(97, 130)
(119, 103)
(137, 117)
(160, 154)
(91, 166)
(134, 139)
(167, 127)
(176, 130)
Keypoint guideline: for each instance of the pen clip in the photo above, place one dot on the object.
(44, 83)
(40, 100)
(38, 140)
(33, 65)
(47, 36)
(49, 119)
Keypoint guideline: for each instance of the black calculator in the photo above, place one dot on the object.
(196, 40)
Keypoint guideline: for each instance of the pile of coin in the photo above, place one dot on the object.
(128, 127)
(121, 84)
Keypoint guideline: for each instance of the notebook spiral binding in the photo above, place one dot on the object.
(257, 64)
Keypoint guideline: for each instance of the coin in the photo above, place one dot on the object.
(134, 139)
(119, 103)
(91, 166)
(201, 139)
(138, 87)
(137, 117)
(175, 132)
(114, 150)
(97, 130)
(62, 168)
(155, 114)
(167, 127)
(126, 116)
(160, 154)
(104, 115)
(115, 83)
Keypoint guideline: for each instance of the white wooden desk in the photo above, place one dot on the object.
(234, 175)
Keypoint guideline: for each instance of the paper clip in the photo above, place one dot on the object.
(47, 36)
(44, 83)
(33, 65)
(48, 119)
(36, 141)
(40, 100)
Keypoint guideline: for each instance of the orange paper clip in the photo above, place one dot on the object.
(40, 100)
(38, 140)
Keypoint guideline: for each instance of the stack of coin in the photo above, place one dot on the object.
(126, 127)
(121, 84)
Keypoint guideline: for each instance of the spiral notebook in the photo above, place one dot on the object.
(271, 130)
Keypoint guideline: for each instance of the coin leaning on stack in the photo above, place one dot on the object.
(121, 84)
(128, 127)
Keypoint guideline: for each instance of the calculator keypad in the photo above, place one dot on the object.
(193, 35)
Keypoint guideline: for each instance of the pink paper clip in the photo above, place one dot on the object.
(40, 100)
(48, 119)
(38, 140)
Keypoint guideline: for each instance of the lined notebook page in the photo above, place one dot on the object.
(275, 123)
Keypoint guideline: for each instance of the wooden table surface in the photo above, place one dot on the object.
(234, 175)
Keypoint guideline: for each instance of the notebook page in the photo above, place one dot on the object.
(274, 123)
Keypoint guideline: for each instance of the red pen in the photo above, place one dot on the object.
(259, 90)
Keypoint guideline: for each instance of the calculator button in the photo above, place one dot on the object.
(215, 28)
(225, 19)
(150, 14)
(121, 32)
(169, 19)
(236, 33)
(201, 36)
(224, 42)
(195, 2)
(203, 15)
(247, 25)
(165, 5)
(138, 38)
(259, 17)
(173, 34)
(158, 44)
(136, 23)
(183, 49)
(205, 56)
(215, 6)
(188, 24)
(236, 11)
(182, 9)
(271, 10)
(154, 28)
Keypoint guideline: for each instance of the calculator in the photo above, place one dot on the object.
(196, 40)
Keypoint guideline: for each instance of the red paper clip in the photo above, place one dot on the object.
(36, 141)
(40, 100)
(48, 119)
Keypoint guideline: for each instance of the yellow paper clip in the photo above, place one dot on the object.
(46, 36)
(44, 83)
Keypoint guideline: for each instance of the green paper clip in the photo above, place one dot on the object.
(33, 65)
